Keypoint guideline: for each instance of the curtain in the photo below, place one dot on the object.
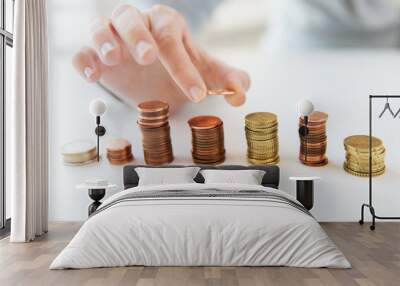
(27, 117)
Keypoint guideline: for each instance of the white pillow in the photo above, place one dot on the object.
(166, 176)
(248, 177)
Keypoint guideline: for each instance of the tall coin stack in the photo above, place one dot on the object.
(313, 146)
(357, 156)
(207, 140)
(262, 138)
(156, 140)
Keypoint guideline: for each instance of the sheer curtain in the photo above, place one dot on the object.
(27, 120)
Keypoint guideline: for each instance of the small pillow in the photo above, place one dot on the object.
(248, 177)
(166, 176)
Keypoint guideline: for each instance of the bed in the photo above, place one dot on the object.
(198, 224)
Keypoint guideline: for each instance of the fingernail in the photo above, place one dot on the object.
(196, 94)
(88, 72)
(142, 48)
(105, 48)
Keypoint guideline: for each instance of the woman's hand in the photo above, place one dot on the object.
(144, 55)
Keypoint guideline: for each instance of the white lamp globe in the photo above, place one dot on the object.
(305, 107)
(97, 107)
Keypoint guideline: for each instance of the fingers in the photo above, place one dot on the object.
(167, 30)
(105, 42)
(238, 81)
(87, 64)
(133, 30)
(219, 75)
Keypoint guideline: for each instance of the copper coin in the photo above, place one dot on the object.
(220, 91)
(119, 154)
(153, 124)
(312, 158)
(153, 116)
(316, 116)
(152, 106)
(146, 120)
(207, 162)
(120, 161)
(126, 150)
(204, 122)
(319, 164)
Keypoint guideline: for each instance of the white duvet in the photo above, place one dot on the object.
(199, 231)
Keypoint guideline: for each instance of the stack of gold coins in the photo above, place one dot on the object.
(313, 146)
(262, 138)
(119, 152)
(156, 139)
(207, 139)
(357, 156)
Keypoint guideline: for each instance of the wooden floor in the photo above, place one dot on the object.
(375, 257)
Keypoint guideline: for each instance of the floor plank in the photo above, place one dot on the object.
(375, 257)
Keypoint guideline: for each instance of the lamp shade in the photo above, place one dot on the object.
(97, 107)
(305, 107)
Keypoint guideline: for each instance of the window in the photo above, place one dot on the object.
(6, 44)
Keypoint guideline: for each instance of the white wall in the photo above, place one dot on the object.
(337, 82)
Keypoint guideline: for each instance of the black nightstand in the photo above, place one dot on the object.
(96, 193)
(305, 190)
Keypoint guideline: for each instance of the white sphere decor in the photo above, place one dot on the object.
(97, 107)
(305, 107)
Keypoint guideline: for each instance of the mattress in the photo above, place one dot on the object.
(201, 225)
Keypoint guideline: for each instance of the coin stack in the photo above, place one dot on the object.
(313, 145)
(207, 140)
(156, 140)
(119, 152)
(262, 138)
(357, 156)
(79, 152)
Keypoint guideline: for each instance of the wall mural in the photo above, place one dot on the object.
(193, 88)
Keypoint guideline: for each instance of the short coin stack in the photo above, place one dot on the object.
(262, 138)
(119, 152)
(79, 152)
(313, 146)
(207, 139)
(156, 139)
(357, 156)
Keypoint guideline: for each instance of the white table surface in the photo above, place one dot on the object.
(88, 187)
(304, 178)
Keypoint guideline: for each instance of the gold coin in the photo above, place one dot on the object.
(261, 118)
(259, 138)
(365, 168)
(362, 174)
(273, 161)
(361, 143)
(262, 128)
(261, 131)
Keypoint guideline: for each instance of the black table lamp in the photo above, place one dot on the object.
(97, 108)
(305, 108)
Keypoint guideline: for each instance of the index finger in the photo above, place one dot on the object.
(132, 28)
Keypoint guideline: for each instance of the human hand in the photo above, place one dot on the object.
(145, 55)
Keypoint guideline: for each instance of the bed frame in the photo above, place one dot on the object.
(270, 179)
